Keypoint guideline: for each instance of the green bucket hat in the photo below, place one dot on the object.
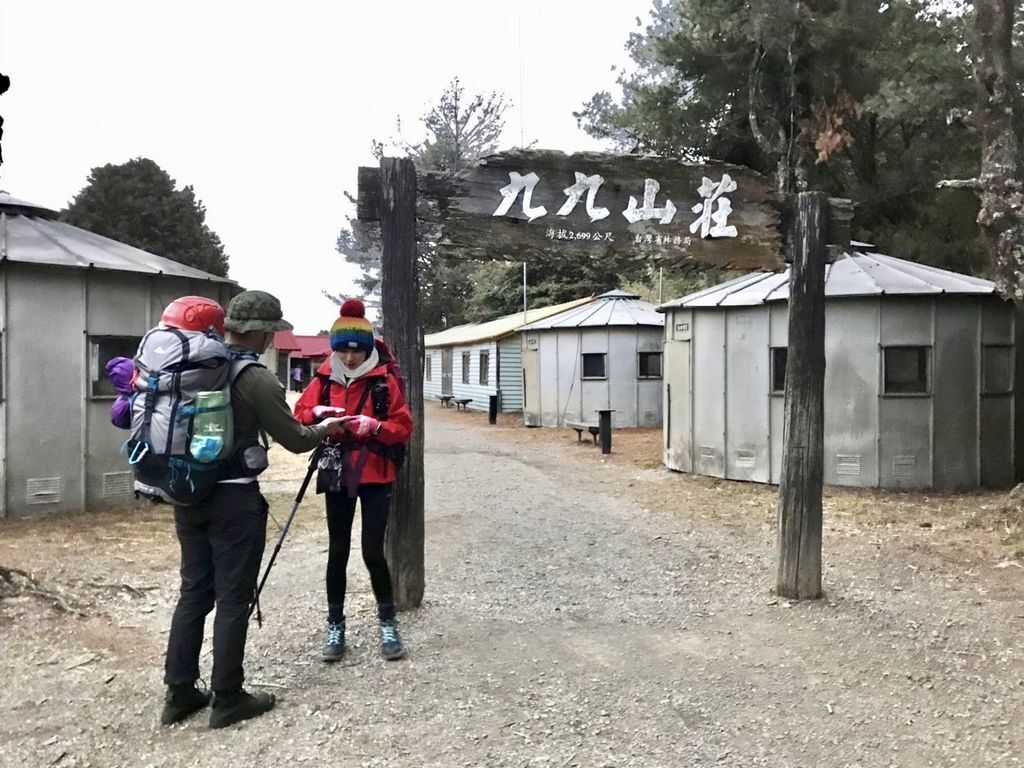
(255, 311)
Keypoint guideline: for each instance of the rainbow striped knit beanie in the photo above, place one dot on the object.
(352, 330)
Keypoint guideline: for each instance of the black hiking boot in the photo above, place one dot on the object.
(181, 701)
(390, 641)
(334, 644)
(231, 708)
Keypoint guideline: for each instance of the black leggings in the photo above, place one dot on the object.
(374, 501)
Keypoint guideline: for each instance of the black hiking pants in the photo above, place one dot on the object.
(374, 501)
(222, 540)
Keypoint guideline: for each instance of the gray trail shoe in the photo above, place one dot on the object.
(181, 701)
(390, 641)
(232, 708)
(334, 644)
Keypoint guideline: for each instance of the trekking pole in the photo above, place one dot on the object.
(255, 605)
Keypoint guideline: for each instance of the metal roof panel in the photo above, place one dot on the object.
(856, 273)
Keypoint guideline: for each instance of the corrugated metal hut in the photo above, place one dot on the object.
(919, 379)
(478, 360)
(69, 301)
(603, 355)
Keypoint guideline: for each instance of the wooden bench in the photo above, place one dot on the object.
(446, 400)
(462, 404)
(584, 426)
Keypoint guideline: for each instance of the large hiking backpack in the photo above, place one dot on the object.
(182, 430)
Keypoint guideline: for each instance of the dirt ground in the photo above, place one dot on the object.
(581, 610)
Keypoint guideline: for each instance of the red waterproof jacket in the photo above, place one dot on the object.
(397, 428)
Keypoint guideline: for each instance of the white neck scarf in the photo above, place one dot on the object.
(345, 376)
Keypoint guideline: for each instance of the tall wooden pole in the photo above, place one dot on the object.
(400, 304)
(799, 513)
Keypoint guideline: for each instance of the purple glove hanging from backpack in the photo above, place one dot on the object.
(120, 371)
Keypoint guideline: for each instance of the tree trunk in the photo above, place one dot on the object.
(1000, 122)
(400, 303)
(799, 512)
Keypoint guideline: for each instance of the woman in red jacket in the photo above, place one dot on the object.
(356, 378)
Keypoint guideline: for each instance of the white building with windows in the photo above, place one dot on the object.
(919, 379)
(478, 360)
(604, 355)
(69, 301)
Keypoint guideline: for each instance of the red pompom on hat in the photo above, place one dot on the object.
(353, 308)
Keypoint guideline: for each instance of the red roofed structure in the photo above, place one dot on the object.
(311, 347)
(295, 357)
(284, 341)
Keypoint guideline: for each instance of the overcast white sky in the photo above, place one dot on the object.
(268, 109)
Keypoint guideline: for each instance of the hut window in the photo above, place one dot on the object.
(779, 357)
(650, 365)
(102, 349)
(427, 373)
(906, 370)
(996, 370)
(465, 367)
(485, 367)
(593, 365)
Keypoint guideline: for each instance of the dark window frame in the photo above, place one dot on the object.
(466, 359)
(777, 378)
(428, 368)
(583, 366)
(100, 387)
(641, 356)
(924, 366)
(484, 361)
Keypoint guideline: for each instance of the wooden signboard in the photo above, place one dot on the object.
(533, 204)
(527, 205)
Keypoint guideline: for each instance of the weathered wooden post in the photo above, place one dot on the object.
(604, 429)
(400, 308)
(799, 512)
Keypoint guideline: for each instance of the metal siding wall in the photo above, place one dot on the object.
(996, 437)
(649, 392)
(44, 386)
(851, 392)
(955, 387)
(746, 396)
(510, 352)
(997, 411)
(595, 393)
(996, 322)
(905, 431)
(906, 321)
(678, 416)
(622, 367)
(4, 386)
(678, 419)
(432, 388)
(533, 379)
(778, 336)
(479, 393)
(550, 378)
(708, 393)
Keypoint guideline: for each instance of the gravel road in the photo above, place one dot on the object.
(569, 621)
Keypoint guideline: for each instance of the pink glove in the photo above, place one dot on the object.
(323, 411)
(362, 425)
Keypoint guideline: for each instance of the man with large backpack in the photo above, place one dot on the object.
(222, 535)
